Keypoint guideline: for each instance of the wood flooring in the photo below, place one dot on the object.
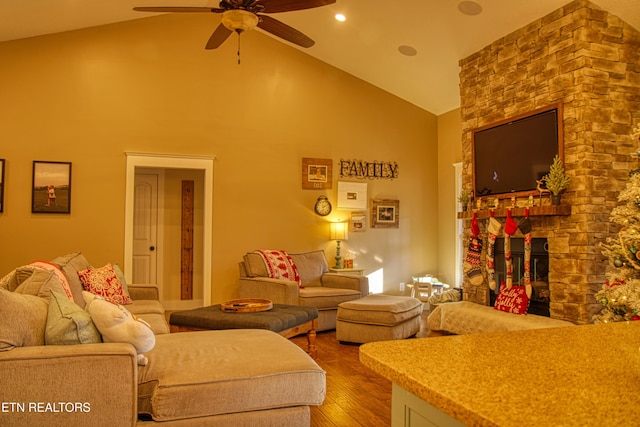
(356, 396)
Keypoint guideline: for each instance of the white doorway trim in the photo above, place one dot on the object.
(169, 161)
(457, 167)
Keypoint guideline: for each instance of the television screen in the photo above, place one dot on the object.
(510, 156)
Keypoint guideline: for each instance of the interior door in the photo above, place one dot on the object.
(145, 229)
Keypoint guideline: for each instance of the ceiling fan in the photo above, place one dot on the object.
(243, 15)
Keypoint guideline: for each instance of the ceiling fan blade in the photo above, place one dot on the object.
(178, 9)
(276, 6)
(284, 31)
(218, 37)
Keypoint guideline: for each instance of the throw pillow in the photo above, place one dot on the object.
(9, 281)
(104, 282)
(23, 319)
(67, 323)
(513, 300)
(25, 272)
(40, 283)
(117, 324)
(70, 265)
(123, 281)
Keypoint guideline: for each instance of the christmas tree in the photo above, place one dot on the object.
(620, 295)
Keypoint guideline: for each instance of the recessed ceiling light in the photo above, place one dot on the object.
(470, 8)
(340, 17)
(407, 50)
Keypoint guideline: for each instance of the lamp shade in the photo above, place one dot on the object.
(339, 231)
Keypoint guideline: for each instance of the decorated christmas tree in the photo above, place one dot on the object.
(620, 295)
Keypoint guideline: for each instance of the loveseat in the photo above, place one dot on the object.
(316, 287)
(209, 378)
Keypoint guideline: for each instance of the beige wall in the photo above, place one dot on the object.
(148, 85)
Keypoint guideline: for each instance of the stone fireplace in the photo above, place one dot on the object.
(589, 60)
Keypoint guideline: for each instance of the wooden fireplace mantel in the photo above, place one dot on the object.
(547, 210)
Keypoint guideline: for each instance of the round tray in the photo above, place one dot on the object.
(246, 305)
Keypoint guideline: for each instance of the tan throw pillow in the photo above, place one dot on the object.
(40, 284)
(67, 323)
(70, 265)
(23, 319)
(103, 281)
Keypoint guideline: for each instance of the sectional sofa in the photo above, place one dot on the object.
(209, 378)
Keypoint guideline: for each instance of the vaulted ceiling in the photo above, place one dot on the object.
(367, 44)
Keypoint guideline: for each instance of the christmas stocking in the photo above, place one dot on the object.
(510, 228)
(493, 230)
(472, 260)
(525, 228)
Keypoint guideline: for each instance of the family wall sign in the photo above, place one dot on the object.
(362, 169)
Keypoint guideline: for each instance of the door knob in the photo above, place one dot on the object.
(152, 248)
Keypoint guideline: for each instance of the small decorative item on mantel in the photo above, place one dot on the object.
(464, 198)
(556, 180)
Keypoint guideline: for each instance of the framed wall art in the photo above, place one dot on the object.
(352, 195)
(51, 190)
(385, 213)
(1, 185)
(358, 221)
(317, 174)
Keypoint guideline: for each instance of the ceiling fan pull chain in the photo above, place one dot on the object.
(238, 47)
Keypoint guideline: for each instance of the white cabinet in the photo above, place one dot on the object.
(408, 410)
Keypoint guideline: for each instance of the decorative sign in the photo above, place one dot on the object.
(368, 170)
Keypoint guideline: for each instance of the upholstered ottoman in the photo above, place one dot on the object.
(286, 320)
(378, 318)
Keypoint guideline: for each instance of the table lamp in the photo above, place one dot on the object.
(339, 232)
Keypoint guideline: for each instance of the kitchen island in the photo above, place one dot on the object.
(586, 375)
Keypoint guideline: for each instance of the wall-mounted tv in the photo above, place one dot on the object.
(511, 155)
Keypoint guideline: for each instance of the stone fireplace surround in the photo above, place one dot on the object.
(589, 60)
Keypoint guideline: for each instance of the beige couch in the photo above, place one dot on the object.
(318, 287)
(210, 378)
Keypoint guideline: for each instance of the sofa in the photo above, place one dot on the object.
(209, 378)
(316, 287)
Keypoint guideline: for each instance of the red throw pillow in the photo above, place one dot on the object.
(514, 300)
(103, 281)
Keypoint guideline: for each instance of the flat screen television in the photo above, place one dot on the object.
(511, 155)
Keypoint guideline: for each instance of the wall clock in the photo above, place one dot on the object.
(323, 206)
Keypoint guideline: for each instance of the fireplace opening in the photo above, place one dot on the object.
(539, 302)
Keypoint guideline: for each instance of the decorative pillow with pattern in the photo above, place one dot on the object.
(513, 300)
(104, 281)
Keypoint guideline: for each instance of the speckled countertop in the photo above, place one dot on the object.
(577, 376)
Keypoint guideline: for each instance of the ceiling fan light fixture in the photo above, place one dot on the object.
(239, 20)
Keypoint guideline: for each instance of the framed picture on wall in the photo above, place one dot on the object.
(51, 190)
(1, 185)
(352, 195)
(358, 222)
(317, 174)
(385, 214)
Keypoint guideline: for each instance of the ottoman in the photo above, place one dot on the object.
(286, 320)
(378, 318)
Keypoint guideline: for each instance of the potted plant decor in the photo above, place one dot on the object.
(556, 180)
(464, 198)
